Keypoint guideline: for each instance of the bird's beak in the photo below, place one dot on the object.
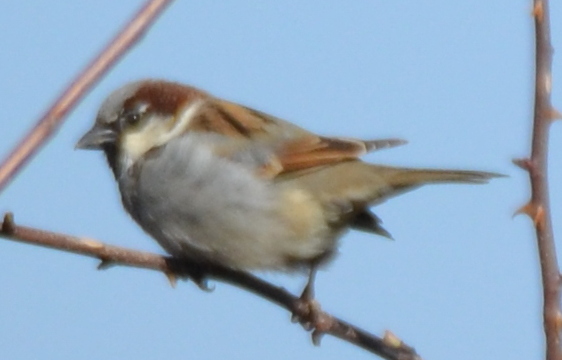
(96, 138)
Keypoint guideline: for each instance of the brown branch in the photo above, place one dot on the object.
(388, 347)
(53, 118)
(538, 208)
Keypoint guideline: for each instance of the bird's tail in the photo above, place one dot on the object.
(392, 181)
(403, 177)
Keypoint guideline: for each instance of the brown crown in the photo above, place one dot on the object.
(164, 97)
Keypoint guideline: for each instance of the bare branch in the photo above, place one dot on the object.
(538, 208)
(388, 347)
(53, 118)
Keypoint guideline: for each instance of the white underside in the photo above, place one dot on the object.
(196, 204)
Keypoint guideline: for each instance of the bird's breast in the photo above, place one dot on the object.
(195, 203)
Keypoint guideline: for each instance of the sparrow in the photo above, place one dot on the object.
(218, 182)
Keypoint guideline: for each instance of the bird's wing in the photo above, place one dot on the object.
(289, 148)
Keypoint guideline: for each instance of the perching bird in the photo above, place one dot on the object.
(219, 182)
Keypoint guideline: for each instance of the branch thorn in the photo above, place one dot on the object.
(390, 339)
(555, 114)
(105, 264)
(316, 337)
(523, 163)
(538, 10)
(8, 225)
(535, 212)
(172, 279)
(525, 209)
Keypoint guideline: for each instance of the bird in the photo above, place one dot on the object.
(216, 182)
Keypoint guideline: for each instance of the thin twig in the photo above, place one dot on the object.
(388, 347)
(538, 208)
(53, 118)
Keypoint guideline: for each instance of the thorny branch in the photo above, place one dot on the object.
(538, 207)
(53, 118)
(388, 347)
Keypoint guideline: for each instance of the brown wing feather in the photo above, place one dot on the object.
(237, 121)
(228, 119)
(294, 148)
(315, 151)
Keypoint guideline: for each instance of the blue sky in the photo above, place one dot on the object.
(453, 78)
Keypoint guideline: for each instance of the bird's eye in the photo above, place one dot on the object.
(132, 118)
